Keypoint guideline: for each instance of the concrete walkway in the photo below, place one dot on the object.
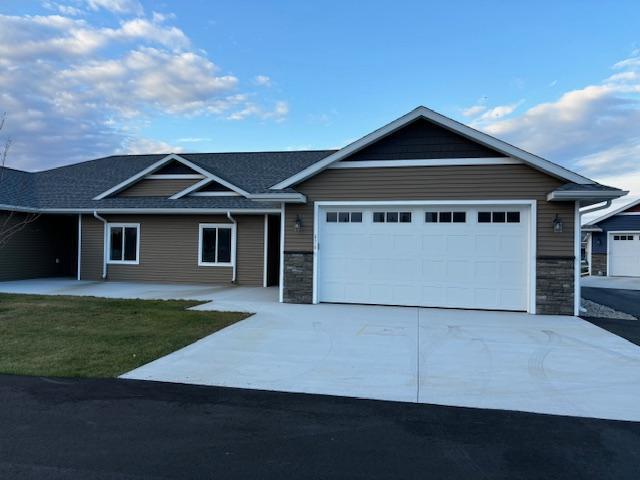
(142, 290)
(621, 283)
(499, 360)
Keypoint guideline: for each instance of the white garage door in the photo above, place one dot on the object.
(445, 256)
(624, 254)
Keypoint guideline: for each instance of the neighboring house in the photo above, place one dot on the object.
(612, 242)
(424, 211)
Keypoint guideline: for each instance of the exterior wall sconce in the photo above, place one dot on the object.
(298, 224)
(557, 224)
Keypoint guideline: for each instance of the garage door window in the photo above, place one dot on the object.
(623, 237)
(498, 217)
(344, 217)
(391, 217)
(445, 217)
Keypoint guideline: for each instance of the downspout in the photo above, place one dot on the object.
(233, 245)
(104, 244)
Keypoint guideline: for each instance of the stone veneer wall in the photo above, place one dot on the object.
(599, 264)
(298, 277)
(555, 285)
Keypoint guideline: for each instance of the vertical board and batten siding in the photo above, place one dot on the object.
(46, 247)
(169, 250)
(157, 187)
(482, 182)
(422, 139)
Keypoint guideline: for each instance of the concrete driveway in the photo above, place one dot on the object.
(620, 283)
(499, 360)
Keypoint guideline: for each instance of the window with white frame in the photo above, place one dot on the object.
(123, 243)
(216, 245)
(344, 217)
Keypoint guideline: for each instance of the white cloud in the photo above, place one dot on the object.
(500, 111)
(73, 90)
(593, 130)
(141, 146)
(473, 110)
(117, 6)
(262, 80)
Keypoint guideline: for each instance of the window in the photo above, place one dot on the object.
(513, 217)
(391, 217)
(123, 242)
(405, 217)
(499, 217)
(216, 244)
(623, 237)
(445, 217)
(344, 217)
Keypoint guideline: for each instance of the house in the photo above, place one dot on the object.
(612, 242)
(424, 211)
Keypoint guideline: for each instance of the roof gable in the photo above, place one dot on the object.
(422, 139)
(424, 113)
(629, 207)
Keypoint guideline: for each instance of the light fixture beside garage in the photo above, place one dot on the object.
(557, 224)
(298, 224)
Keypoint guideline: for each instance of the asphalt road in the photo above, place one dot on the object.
(627, 301)
(84, 429)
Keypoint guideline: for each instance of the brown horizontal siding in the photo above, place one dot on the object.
(46, 247)
(169, 250)
(482, 182)
(91, 252)
(250, 250)
(157, 188)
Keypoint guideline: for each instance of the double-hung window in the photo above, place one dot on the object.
(123, 243)
(216, 244)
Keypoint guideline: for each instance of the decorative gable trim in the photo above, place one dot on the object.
(423, 112)
(149, 171)
(210, 178)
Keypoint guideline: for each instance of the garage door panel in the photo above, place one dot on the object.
(624, 254)
(460, 265)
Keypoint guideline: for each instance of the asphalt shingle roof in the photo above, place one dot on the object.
(75, 186)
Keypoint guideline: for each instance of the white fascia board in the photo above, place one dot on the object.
(423, 112)
(163, 211)
(571, 195)
(210, 177)
(174, 176)
(433, 162)
(149, 170)
(590, 228)
(279, 197)
(614, 212)
(17, 208)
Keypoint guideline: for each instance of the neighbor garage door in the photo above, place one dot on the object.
(440, 256)
(624, 254)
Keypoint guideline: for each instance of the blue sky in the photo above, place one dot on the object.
(85, 78)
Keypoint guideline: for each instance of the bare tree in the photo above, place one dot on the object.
(11, 222)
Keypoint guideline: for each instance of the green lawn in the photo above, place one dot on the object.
(96, 337)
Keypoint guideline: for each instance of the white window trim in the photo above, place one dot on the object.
(123, 225)
(230, 226)
(533, 225)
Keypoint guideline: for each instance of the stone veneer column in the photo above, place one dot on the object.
(598, 264)
(298, 277)
(555, 285)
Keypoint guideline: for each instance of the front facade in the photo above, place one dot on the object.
(422, 212)
(612, 242)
